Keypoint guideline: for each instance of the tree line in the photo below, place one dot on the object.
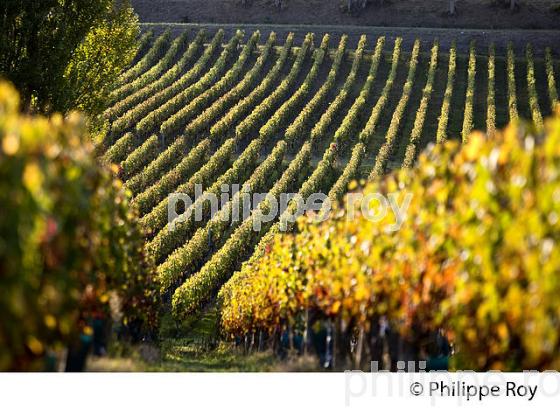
(356, 6)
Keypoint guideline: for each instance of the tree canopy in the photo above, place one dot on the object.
(49, 47)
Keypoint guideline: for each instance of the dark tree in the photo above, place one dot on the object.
(38, 39)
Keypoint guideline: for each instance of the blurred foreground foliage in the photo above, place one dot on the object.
(70, 249)
(477, 257)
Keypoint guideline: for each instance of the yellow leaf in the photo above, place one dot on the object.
(34, 345)
(472, 149)
(32, 176)
(503, 331)
(10, 144)
(50, 321)
(335, 307)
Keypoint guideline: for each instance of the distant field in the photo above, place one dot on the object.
(484, 14)
(217, 109)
